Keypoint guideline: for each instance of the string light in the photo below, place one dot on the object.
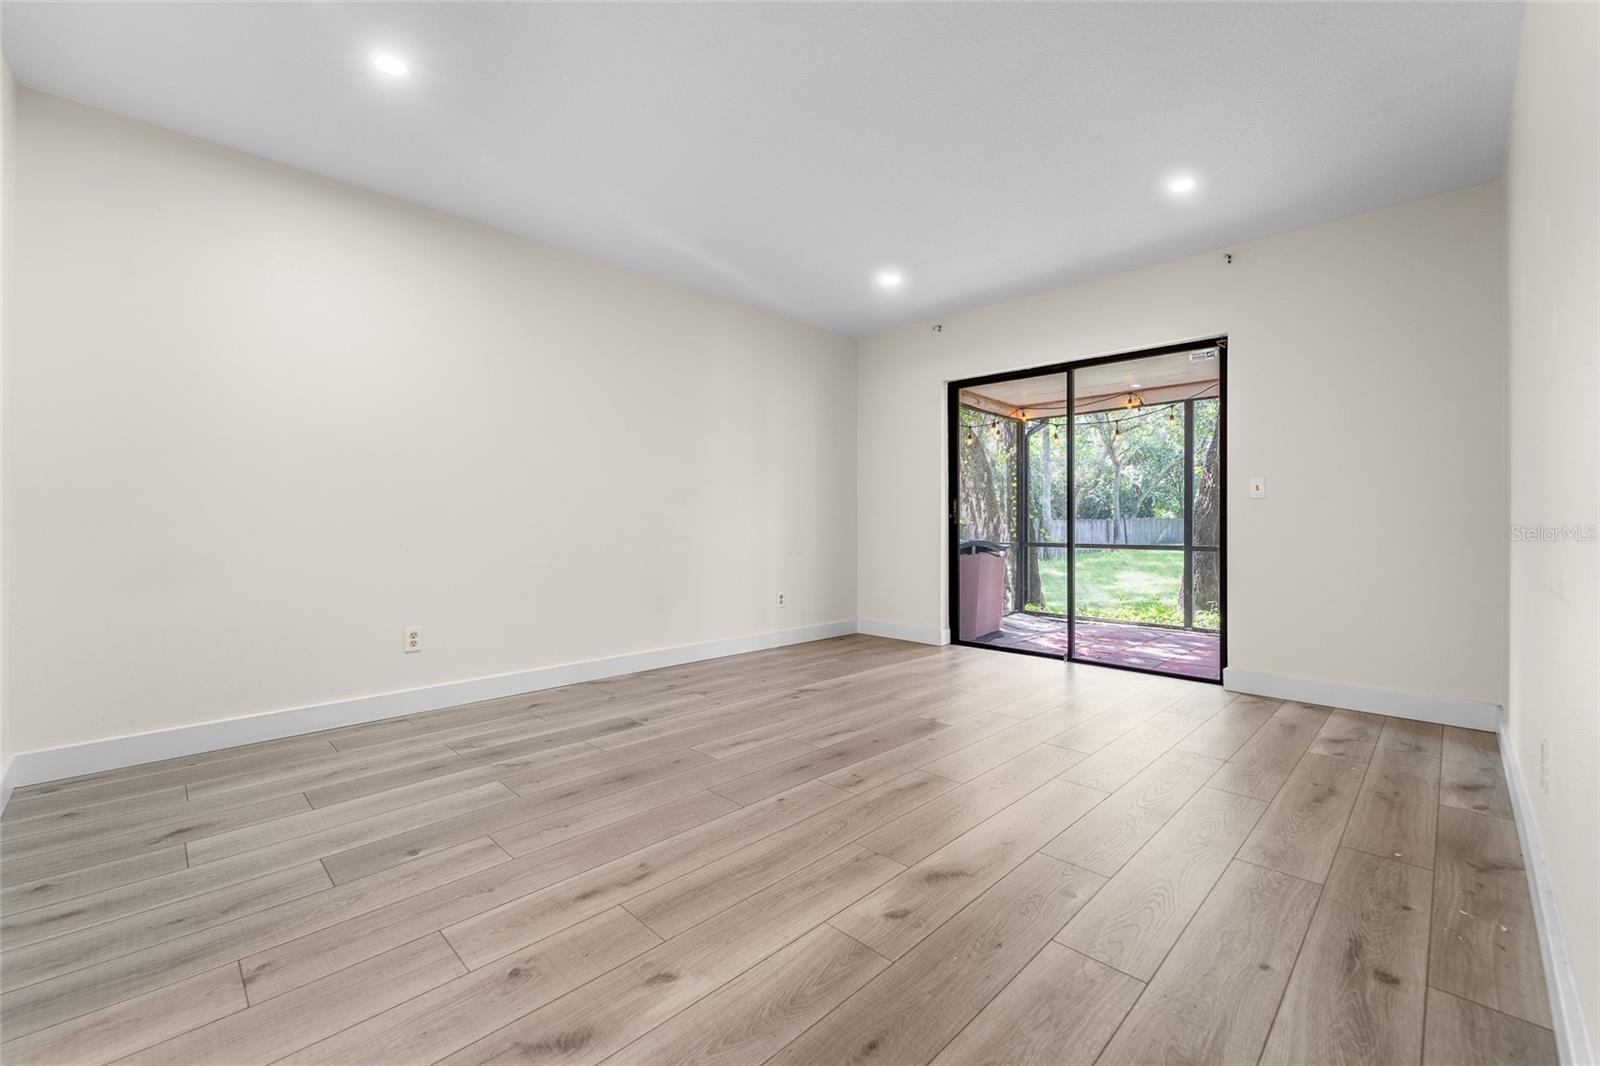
(1133, 403)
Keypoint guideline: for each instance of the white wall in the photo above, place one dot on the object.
(8, 122)
(260, 422)
(1365, 378)
(1553, 695)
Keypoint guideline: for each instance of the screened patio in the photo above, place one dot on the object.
(1094, 534)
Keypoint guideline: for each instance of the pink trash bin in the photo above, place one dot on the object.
(982, 593)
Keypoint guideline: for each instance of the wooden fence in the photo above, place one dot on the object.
(1123, 531)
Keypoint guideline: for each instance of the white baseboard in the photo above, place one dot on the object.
(6, 784)
(1444, 710)
(1574, 1046)
(73, 760)
(901, 631)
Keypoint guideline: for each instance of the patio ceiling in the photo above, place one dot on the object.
(1169, 378)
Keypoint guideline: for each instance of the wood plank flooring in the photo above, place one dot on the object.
(851, 851)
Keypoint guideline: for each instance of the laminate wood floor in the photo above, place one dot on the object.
(851, 851)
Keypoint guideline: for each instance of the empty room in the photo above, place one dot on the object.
(796, 534)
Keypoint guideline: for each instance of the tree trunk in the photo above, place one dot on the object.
(1207, 529)
(1106, 430)
(1035, 590)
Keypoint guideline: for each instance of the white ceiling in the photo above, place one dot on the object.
(782, 154)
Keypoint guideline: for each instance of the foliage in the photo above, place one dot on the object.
(988, 488)
(1130, 465)
(988, 477)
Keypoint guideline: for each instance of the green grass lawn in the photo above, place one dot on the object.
(1125, 586)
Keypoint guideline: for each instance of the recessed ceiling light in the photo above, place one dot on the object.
(890, 279)
(393, 66)
(1181, 184)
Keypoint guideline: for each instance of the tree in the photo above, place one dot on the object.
(987, 491)
(1108, 442)
(988, 477)
(1047, 503)
(1207, 512)
(1128, 466)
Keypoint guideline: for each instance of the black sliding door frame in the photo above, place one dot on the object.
(953, 513)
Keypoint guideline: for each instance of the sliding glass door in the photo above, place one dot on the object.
(1087, 511)
(1010, 575)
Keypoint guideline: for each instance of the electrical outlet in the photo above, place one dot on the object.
(1544, 765)
(780, 600)
(413, 641)
(1258, 488)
